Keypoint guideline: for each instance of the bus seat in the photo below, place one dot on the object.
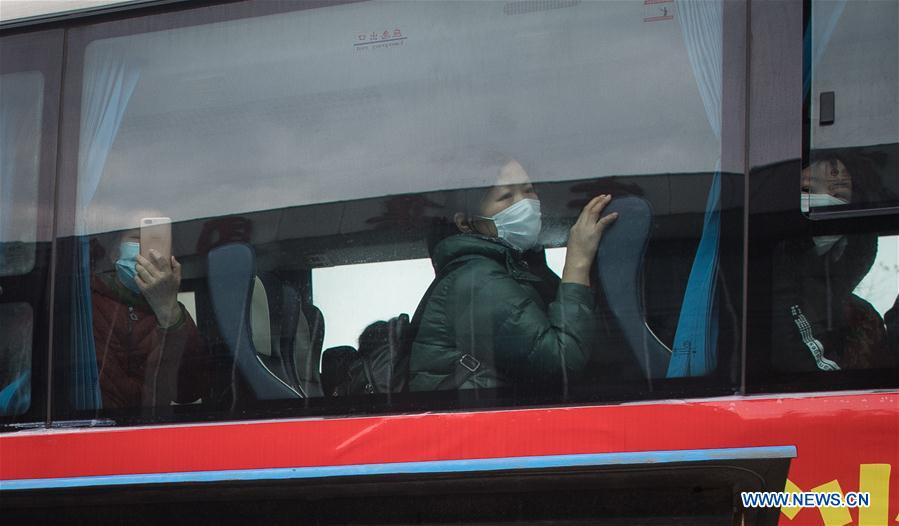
(619, 264)
(231, 278)
(307, 354)
(297, 334)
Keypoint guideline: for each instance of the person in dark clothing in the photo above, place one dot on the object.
(820, 324)
(149, 352)
(495, 319)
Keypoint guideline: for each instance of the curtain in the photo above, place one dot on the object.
(109, 82)
(695, 341)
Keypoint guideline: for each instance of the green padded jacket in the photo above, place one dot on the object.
(488, 314)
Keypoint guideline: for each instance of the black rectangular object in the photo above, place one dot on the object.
(825, 116)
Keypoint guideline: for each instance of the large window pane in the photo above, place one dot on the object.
(314, 164)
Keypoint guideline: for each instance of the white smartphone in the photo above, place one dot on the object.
(156, 234)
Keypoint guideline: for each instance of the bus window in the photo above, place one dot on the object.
(880, 286)
(343, 293)
(311, 160)
(852, 75)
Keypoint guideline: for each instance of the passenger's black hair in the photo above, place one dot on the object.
(102, 246)
(460, 165)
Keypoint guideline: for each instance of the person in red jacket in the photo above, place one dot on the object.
(149, 351)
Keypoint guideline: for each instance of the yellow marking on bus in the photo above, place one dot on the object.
(874, 479)
(833, 516)
(791, 511)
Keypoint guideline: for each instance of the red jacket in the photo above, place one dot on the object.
(140, 363)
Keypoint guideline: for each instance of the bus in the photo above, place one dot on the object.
(300, 164)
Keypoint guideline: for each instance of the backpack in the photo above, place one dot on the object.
(381, 365)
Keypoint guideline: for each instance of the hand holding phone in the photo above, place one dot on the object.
(159, 277)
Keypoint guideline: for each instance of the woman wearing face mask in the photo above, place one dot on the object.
(496, 316)
(148, 348)
(820, 323)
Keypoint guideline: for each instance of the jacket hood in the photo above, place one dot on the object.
(460, 245)
(846, 271)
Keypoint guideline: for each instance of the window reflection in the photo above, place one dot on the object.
(316, 119)
(15, 358)
(21, 108)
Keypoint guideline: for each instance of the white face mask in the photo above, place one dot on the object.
(520, 224)
(823, 244)
(819, 201)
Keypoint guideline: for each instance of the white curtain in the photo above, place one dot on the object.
(108, 85)
(695, 342)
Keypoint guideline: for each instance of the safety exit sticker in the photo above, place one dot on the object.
(380, 39)
(658, 10)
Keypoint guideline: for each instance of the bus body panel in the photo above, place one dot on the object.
(844, 442)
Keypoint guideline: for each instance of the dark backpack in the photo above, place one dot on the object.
(381, 365)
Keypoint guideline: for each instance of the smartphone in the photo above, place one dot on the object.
(156, 234)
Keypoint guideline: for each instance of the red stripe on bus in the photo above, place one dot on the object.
(837, 431)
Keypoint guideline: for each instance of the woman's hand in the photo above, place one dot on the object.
(583, 240)
(159, 280)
